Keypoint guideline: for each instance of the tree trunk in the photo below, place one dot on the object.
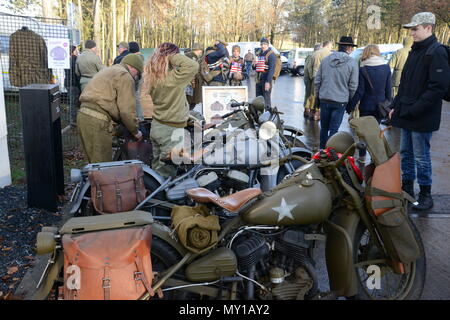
(98, 27)
(114, 26)
(47, 9)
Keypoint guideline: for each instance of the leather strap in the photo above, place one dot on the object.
(99, 197)
(106, 282)
(143, 278)
(118, 196)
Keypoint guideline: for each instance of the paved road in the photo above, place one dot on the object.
(288, 94)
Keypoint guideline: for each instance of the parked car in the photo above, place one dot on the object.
(386, 50)
(284, 61)
(296, 60)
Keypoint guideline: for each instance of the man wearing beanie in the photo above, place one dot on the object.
(265, 68)
(133, 47)
(109, 98)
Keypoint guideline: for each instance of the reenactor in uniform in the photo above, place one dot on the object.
(317, 58)
(265, 68)
(218, 67)
(109, 97)
(167, 73)
(397, 62)
(308, 78)
(195, 54)
(237, 72)
(88, 63)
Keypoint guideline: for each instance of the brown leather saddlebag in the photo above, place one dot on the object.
(117, 189)
(386, 201)
(108, 265)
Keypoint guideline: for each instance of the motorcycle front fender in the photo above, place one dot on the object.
(294, 130)
(339, 252)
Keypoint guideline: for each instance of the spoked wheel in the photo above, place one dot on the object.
(370, 262)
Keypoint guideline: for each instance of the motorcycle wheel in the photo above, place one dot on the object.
(408, 286)
(163, 257)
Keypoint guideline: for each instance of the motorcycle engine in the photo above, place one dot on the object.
(281, 264)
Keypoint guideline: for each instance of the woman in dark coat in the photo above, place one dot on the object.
(374, 83)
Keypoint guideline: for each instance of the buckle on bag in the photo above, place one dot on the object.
(106, 283)
(138, 276)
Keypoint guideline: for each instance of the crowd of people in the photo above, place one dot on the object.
(172, 82)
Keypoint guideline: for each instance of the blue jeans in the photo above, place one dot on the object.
(415, 153)
(331, 115)
(248, 67)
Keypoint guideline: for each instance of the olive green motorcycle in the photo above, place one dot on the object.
(254, 245)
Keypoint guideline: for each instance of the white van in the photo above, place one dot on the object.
(296, 60)
(386, 50)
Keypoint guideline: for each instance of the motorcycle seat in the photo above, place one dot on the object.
(231, 203)
(209, 126)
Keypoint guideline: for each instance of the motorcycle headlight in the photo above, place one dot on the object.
(267, 130)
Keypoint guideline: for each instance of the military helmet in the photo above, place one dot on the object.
(258, 103)
(340, 141)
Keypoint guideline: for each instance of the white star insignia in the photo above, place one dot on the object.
(284, 210)
(230, 128)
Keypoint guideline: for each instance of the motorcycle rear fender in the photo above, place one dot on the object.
(301, 151)
(163, 232)
(85, 185)
(293, 130)
(339, 254)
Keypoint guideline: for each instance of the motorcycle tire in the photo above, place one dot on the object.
(163, 257)
(415, 280)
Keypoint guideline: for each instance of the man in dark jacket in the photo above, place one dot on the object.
(123, 51)
(265, 68)
(218, 67)
(417, 106)
(72, 84)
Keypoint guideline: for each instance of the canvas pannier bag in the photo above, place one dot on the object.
(196, 228)
(388, 206)
(117, 189)
(108, 265)
(385, 199)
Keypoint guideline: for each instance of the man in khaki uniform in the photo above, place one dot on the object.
(109, 97)
(397, 62)
(309, 82)
(88, 63)
(317, 58)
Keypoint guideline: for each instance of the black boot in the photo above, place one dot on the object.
(408, 187)
(425, 200)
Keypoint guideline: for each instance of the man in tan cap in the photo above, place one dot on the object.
(123, 51)
(109, 98)
(418, 105)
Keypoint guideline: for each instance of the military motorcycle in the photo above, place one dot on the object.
(223, 178)
(264, 247)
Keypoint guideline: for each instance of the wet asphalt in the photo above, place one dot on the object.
(434, 225)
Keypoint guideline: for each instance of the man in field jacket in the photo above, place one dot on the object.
(109, 97)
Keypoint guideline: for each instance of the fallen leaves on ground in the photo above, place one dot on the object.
(12, 270)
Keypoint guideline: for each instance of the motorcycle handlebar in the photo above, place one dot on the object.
(226, 115)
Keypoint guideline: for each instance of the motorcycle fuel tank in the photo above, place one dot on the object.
(301, 201)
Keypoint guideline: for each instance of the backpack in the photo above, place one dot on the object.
(430, 52)
(278, 64)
